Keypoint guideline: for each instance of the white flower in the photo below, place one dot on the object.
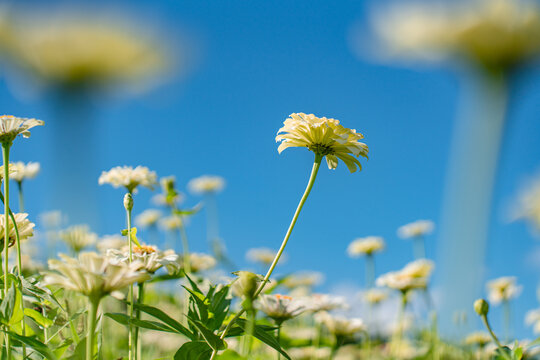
(262, 255)
(129, 177)
(149, 257)
(197, 261)
(22, 171)
(206, 184)
(111, 242)
(280, 307)
(416, 229)
(325, 302)
(24, 226)
(339, 325)
(148, 218)
(503, 289)
(365, 246)
(414, 275)
(52, 219)
(303, 279)
(480, 338)
(11, 127)
(375, 296)
(93, 275)
(78, 237)
(532, 317)
(173, 222)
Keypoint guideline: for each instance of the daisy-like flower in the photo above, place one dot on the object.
(305, 279)
(414, 275)
(129, 177)
(416, 229)
(264, 256)
(325, 302)
(206, 184)
(503, 289)
(365, 246)
(197, 261)
(532, 318)
(280, 307)
(22, 171)
(528, 203)
(148, 218)
(325, 137)
(11, 127)
(78, 237)
(93, 275)
(24, 226)
(111, 242)
(52, 219)
(339, 325)
(478, 338)
(375, 296)
(149, 258)
(171, 223)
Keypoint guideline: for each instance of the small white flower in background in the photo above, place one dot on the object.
(52, 219)
(11, 127)
(22, 171)
(309, 353)
(148, 218)
(532, 318)
(148, 256)
(170, 223)
(93, 275)
(161, 199)
(325, 302)
(503, 289)
(414, 275)
(111, 242)
(206, 184)
(24, 226)
(262, 255)
(78, 237)
(365, 246)
(340, 325)
(197, 261)
(416, 229)
(304, 279)
(129, 177)
(478, 338)
(528, 203)
(375, 296)
(280, 307)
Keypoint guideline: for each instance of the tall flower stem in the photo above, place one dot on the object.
(370, 271)
(494, 337)
(140, 300)
(93, 305)
(313, 176)
(5, 157)
(21, 197)
(278, 338)
(185, 246)
(399, 335)
(128, 204)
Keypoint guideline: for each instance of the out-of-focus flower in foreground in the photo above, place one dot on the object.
(78, 237)
(325, 137)
(129, 177)
(280, 307)
(365, 246)
(416, 229)
(503, 289)
(93, 275)
(11, 127)
(24, 226)
(22, 171)
(206, 184)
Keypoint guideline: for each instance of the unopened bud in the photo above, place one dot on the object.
(481, 307)
(128, 202)
(246, 284)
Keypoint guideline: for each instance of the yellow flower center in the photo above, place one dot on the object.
(144, 249)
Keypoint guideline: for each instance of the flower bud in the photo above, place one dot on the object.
(245, 285)
(128, 202)
(481, 307)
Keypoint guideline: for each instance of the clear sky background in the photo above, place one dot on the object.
(253, 63)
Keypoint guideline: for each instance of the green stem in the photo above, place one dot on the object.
(278, 338)
(494, 337)
(21, 197)
(401, 315)
(90, 337)
(185, 246)
(313, 176)
(140, 300)
(5, 157)
(131, 334)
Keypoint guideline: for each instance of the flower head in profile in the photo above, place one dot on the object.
(129, 177)
(414, 275)
(340, 325)
(262, 255)
(171, 223)
(325, 137)
(11, 127)
(325, 302)
(198, 262)
(280, 307)
(93, 275)
(416, 229)
(149, 257)
(365, 246)
(22, 171)
(111, 242)
(375, 296)
(503, 289)
(206, 184)
(478, 338)
(148, 218)
(78, 237)
(24, 226)
(303, 279)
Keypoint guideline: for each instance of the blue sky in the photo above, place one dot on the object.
(251, 65)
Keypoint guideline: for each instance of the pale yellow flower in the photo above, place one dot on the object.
(280, 307)
(78, 237)
(148, 218)
(479, 338)
(340, 325)
(375, 296)
(111, 242)
(170, 223)
(22, 171)
(265, 256)
(24, 226)
(303, 279)
(365, 246)
(325, 302)
(414, 275)
(325, 137)
(129, 177)
(416, 229)
(206, 184)
(93, 275)
(11, 127)
(503, 289)
(532, 318)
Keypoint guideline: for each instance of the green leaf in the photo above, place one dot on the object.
(263, 335)
(191, 211)
(7, 305)
(17, 314)
(133, 235)
(145, 324)
(38, 317)
(160, 315)
(35, 344)
(212, 339)
(194, 350)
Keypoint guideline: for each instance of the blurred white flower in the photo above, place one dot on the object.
(22, 171)
(339, 325)
(206, 184)
(170, 223)
(197, 261)
(111, 242)
(365, 246)
(24, 226)
(304, 279)
(129, 177)
(503, 289)
(416, 229)
(262, 255)
(413, 276)
(52, 219)
(280, 307)
(148, 218)
(532, 318)
(325, 302)
(78, 237)
(375, 296)
(478, 338)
